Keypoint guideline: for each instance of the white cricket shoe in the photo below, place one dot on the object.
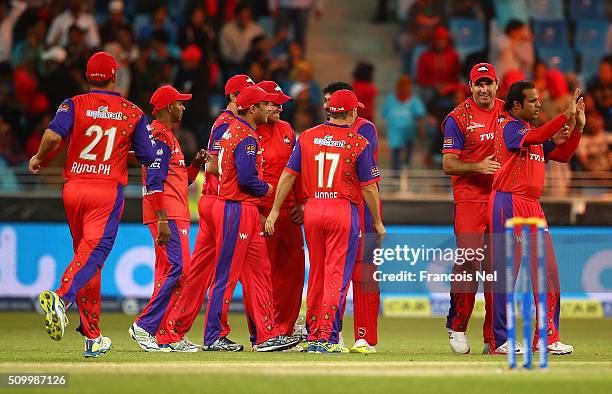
(458, 342)
(559, 348)
(146, 341)
(503, 349)
(363, 347)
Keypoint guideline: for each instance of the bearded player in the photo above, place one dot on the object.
(523, 152)
(101, 127)
(468, 157)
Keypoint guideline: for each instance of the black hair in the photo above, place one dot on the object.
(517, 93)
(606, 59)
(339, 115)
(243, 112)
(99, 84)
(335, 86)
(242, 6)
(161, 36)
(513, 25)
(363, 71)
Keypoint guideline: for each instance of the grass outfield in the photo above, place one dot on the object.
(413, 355)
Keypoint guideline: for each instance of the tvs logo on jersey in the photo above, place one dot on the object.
(448, 142)
(63, 108)
(102, 113)
(487, 136)
(251, 149)
(287, 141)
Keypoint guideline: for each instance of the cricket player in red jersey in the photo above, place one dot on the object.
(187, 301)
(468, 157)
(334, 163)
(166, 211)
(286, 247)
(366, 292)
(523, 152)
(102, 127)
(239, 242)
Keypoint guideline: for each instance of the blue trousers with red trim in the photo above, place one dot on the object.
(332, 236)
(503, 206)
(241, 255)
(93, 212)
(170, 260)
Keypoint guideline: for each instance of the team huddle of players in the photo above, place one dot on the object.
(255, 171)
(261, 185)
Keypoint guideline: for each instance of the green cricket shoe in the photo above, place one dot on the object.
(332, 348)
(56, 319)
(96, 347)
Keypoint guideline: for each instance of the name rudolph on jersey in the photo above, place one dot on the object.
(84, 168)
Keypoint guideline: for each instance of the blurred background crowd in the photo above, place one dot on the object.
(197, 45)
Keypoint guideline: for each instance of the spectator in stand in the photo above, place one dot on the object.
(438, 68)
(516, 50)
(145, 76)
(192, 78)
(295, 13)
(163, 56)
(10, 156)
(8, 19)
(593, 153)
(302, 74)
(601, 89)
(76, 49)
(58, 31)
(159, 22)
(114, 23)
(58, 81)
(124, 75)
(509, 78)
(198, 32)
(236, 38)
(404, 114)
(467, 9)
(27, 53)
(288, 61)
(303, 114)
(423, 17)
(365, 90)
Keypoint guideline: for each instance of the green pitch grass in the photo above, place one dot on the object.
(413, 356)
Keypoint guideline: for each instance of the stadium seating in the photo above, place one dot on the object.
(587, 9)
(550, 33)
(591, 35)
(561, 57)
(468, 35)
(546, 9)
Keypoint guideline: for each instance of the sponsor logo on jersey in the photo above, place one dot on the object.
(286, 140)
(375, 172)
(474, 125)
(183, 231)
(448, 142)
(102, 113)
(243, 235)
(523, 130)
(329, 141)
(250, 149)
(63, 108)
(217, 144)
(160, 152)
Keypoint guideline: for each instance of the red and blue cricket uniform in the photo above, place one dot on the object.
(333, 162)
(469, 132)
(187, 302)
(366, 292)
(517, 186)
(102, 127)
(165, 184)
(239, 242)
(286, 247)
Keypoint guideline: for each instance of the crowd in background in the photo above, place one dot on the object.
(197, 45)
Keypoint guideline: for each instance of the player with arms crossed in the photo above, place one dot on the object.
(187, 300)
(166, 211)
(468, 157)
(239, 241)
(102, 127)
(366, 292)
(334, 162)
(523, 152)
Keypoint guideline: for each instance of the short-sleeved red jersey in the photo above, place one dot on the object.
(469, 131)
(334, 162)
(211, 181)
(276, 142)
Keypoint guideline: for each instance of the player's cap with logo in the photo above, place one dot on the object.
(251, 96)
(343, 100)
(101, 66)
(273, 88)
(482, 70)
(237, 83)
(165, 95)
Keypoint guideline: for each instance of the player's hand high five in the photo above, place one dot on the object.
(580, 115)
